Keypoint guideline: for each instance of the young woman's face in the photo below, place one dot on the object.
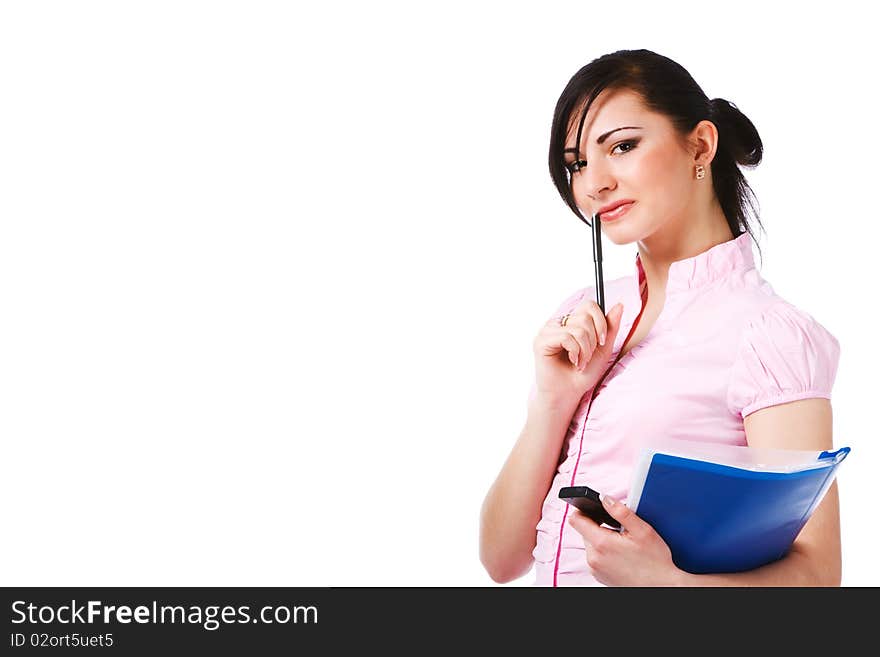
(647, 165)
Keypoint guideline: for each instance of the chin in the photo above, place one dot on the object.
(620, 235)
(628, 232)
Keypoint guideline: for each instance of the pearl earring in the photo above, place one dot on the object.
(701, 172)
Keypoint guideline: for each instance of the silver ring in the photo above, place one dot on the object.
(564, 319)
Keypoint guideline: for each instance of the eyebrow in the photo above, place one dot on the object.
(603, 137)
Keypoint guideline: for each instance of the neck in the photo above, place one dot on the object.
(679, 240)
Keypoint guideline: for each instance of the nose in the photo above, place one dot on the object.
(592, 184)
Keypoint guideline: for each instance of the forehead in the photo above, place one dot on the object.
(611, 109)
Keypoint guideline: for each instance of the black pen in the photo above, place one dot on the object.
(597, 261)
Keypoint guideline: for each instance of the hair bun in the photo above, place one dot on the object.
(745, 144)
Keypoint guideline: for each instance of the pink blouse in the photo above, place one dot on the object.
(724, 345)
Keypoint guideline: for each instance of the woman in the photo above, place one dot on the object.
(696, 344)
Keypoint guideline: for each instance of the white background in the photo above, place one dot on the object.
(270, 274)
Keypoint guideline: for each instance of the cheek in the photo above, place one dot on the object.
(659, 180)
(652, 168)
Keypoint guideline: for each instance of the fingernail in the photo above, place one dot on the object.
(607, 500)
(602, 339)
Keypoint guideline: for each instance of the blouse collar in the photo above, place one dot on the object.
(706, 267)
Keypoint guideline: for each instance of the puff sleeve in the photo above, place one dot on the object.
(784, 355)
(571, 302)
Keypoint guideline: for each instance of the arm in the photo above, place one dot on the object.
(640, 557)
(512, 508)
(815, 556)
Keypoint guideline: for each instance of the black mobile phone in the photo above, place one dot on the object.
(587, 500)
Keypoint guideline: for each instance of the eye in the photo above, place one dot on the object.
(630, 142)
(578, 164)
(575, 166)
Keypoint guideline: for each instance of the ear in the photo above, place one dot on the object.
(703, 142)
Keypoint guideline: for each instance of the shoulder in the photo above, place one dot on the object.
(784, 354)
(787, 325)
(749, 305)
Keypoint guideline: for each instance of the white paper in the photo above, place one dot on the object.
(760, 459)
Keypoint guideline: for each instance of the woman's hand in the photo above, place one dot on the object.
(569, 360)
(636, 556)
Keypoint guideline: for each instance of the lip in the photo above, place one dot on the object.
(611, 206)
(616, 211)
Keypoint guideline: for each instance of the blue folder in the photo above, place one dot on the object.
(718, 517)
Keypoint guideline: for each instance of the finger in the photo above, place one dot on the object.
(585, 337)
(561, 339)
(603, 324)
(628, 520)
(571, 345)
(593, 313)
(613, 320)
(585, 526)
(553, 341)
